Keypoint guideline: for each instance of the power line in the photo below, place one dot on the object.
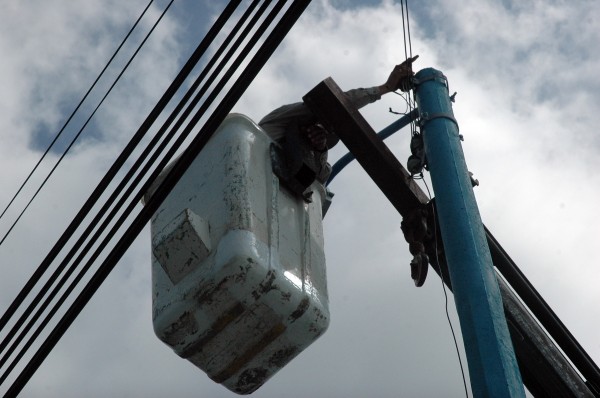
(411, 106)
(246, 77)
(73, 113)
(409, 55)
(443, 278)
(86, 234)
(404, 29)
(71, 229)
(222, 109)
(51, 280)
(408, 29)
(120, 161)
(84, 125)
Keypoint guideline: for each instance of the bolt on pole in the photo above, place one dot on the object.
(492, 363)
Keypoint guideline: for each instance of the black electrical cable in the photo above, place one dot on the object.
(76, 109)
(69, 289)
(125, 180)
(445, 278)
(135, 201)
(112, 215)
(412, 107)
(25, 291)
(84, 125)
(544, 313)
(24, 316)
(408, 29)
(408, 54)
(404, 29)
(250, 72)
(115, 167)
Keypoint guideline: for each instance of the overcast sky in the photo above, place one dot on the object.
(528, 105)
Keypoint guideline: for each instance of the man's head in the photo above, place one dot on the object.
(319, 137)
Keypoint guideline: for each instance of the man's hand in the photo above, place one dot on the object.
(317, 137)
(400, 78)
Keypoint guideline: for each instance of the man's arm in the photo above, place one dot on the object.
(291, 117)
(276, 122)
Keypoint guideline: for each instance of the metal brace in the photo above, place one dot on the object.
(417, 160)
(426, 117)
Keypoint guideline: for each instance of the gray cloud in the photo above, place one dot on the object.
(527, 105)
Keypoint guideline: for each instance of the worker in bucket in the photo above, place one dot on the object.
(295, 125)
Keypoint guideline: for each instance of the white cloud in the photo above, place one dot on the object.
(527, 105)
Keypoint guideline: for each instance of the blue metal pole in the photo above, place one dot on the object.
(492, 363)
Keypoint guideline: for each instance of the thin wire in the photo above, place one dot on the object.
(462, 371)
(85, 124)
(406, 109)
(407, 54)
(403, 29)
(243, 81)
(411, 104)
(86, 234)
(76, 109)
(134, 202)
(408, 28)
(167, 96)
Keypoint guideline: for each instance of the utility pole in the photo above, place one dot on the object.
(544, 368)
(492, 363)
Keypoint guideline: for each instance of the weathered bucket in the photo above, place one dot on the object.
(238, 267)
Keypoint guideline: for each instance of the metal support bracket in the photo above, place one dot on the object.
(427, 117)
(415, 230)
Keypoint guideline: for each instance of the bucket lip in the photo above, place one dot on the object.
(229, 119)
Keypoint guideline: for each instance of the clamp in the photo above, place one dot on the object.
(414, 227)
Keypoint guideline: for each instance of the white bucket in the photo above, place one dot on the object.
(238, 266)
